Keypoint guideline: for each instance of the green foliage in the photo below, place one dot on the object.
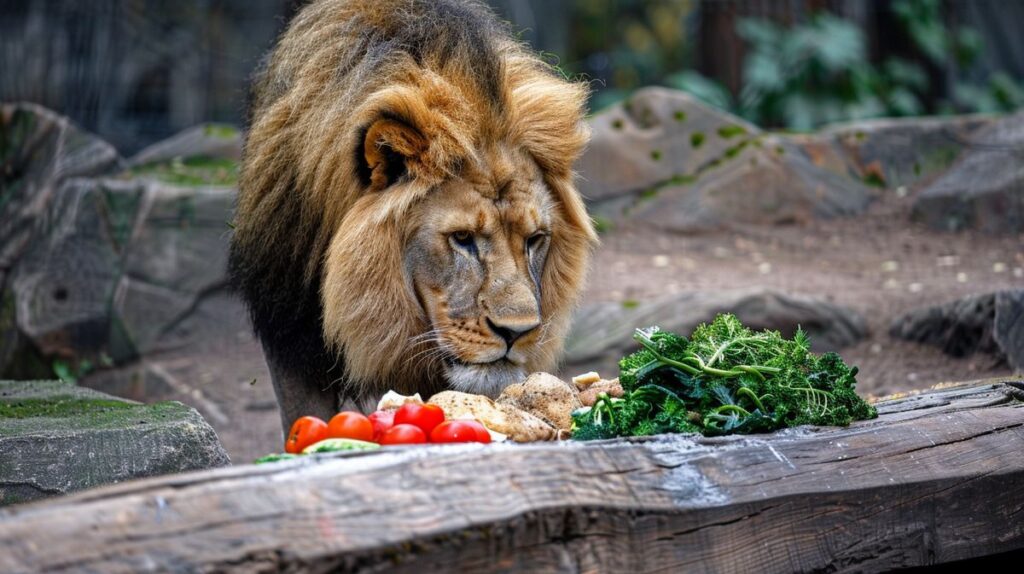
(724, 379)
(818, 72)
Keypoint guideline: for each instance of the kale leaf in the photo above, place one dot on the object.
(724, 379)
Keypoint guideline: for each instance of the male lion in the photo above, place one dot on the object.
(407, 217)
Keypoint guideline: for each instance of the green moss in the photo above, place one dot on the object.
(617, 124)
(221, 131)
(861, 136)
(780, 150)
(630, 304)
(917, 169)
(697, 139)
(192, 172)
(736, 149)
(650, 193)
(656, 155)
(679, 115)
(874, 179)
(731, 130)
(60, 406)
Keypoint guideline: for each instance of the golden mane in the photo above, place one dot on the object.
(451, 71)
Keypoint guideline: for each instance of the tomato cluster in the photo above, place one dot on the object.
(412, 423)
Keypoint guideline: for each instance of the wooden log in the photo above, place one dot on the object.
(938, 477)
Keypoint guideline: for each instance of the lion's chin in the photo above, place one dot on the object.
(483, 378)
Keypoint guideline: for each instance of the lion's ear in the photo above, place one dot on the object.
(390, 146)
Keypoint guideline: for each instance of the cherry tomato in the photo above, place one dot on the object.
(350, 424)
(304, 432)
(404, 434)
(482, 434)
(459, 431)
(424, 416)
(382, 421)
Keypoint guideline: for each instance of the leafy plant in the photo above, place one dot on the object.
(724, 379)
(818, 72)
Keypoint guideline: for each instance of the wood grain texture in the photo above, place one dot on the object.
(939, 476)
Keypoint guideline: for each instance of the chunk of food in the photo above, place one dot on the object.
(612, 387)
(544, 396)
(585, 380)
(517, 424)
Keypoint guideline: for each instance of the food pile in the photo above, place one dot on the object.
(724, 379)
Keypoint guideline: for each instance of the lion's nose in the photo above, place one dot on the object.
(511, 330)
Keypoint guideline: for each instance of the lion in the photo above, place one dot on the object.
(407, 216)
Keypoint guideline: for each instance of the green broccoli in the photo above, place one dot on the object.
(724, 379)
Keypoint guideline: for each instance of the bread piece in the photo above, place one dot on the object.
(516, 423)
(545, 396)
(612, 387)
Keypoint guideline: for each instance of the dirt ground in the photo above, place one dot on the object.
(877, 264)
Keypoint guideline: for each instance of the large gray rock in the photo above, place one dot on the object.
(984, 190)
(893, 151)
(105, 268)
(990, 323)
(665, 159)
(38, 151)
(57, 438)
(221, 141)
(602, 333)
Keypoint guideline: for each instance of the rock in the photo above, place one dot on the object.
(98, 268)
(894, 151)
(38, 151)
(602, 333)
(57, 438)
(1009, 326)
(663, 158)
(984, 190)
(220, 141)
(655, 135)
(991, 323)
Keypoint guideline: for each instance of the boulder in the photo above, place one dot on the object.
(603, 332)
(38, 151)
(984, 190)
(217, 141)
(103, 264)
(892, 152)
(991, 323)
(663, 158)
(57, 438)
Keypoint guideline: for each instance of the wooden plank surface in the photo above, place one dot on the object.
(939, 476)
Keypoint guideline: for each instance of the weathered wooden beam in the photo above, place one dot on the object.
(939, 476)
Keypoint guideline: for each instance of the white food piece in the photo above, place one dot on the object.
(586, 379)
(392, 401)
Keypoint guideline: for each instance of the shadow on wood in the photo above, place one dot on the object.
(938, 477)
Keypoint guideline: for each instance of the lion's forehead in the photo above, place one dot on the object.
(523, 208)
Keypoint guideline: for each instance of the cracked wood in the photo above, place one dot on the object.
(937, 477)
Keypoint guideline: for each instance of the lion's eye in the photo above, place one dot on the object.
(463, 240)
(536, 240)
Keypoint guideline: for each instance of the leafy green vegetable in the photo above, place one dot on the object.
(724, 379)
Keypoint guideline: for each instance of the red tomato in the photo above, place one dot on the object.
(424, 416)
(404, 434)
(382, 422)
(482, 434)
(305, 431)
(350, 424)
(460, 431)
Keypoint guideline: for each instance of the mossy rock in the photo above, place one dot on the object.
(57, 438)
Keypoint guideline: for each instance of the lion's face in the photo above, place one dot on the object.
(474, 257)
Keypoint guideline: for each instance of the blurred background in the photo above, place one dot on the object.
(136, 71)
(850, 166)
